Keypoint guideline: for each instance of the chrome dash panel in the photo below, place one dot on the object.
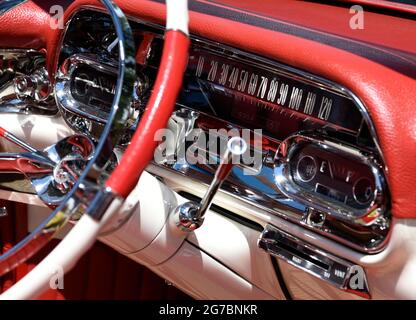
(227, 88)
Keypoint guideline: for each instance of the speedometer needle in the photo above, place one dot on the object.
(112, 45)
(206, 97)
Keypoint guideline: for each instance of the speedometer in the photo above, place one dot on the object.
(260, 96)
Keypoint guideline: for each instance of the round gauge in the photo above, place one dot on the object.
(306, 168)
(363, 190)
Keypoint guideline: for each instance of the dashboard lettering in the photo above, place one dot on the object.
(274, 85)
(263, 87)
(213, 71)
(200, 66)
(232, 81)
(295, 98)
(310, 103)
(339, 273)
(243, 81)
(325, 109)
(284, 89)
(296, 260)
(252, 85)
(224, 74)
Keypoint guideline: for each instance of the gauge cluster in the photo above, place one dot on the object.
(318, 149)
(258, 95)
(329, 174)
(335, 179)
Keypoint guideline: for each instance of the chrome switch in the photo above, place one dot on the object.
(334, 270)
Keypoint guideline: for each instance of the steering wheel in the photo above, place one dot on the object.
(67, 173)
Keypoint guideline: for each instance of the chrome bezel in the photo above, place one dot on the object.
(63, 94)
(21, 63)
(286, 184)
(297, 169)
(268, 241)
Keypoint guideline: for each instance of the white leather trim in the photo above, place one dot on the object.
(31, 128)
(203, 277)
(391, 273)
(235, 245)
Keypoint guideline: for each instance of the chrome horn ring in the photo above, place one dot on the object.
(86, 188)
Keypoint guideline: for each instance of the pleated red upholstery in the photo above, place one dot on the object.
(13, 227)
(102, 273)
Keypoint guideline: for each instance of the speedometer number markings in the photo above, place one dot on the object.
(233, 80)
(325, 109)
(295, 98)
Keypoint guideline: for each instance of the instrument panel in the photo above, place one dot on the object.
(325, 173)
(318, 151)
(256, 95)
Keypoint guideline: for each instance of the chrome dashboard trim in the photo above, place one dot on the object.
(301, 76)
(286, 69)
(29, 65)
(278, 204)
(284, 180)
(262, 191)
(319, 263)
(63, 79)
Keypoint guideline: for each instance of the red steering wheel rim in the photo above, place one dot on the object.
(159, 108)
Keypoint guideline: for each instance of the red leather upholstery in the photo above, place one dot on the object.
(24, 26)
(12, 229)
(387, 93)
(332, 19)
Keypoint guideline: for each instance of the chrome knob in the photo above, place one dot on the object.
(35, 86)
(190, 215)
(24, 86)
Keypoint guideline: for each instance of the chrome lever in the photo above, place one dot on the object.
(52, 171)
(190, 215)
(33, 155)
(25, 163)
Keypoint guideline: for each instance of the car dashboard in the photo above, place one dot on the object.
(311, 200)
(314, 133)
